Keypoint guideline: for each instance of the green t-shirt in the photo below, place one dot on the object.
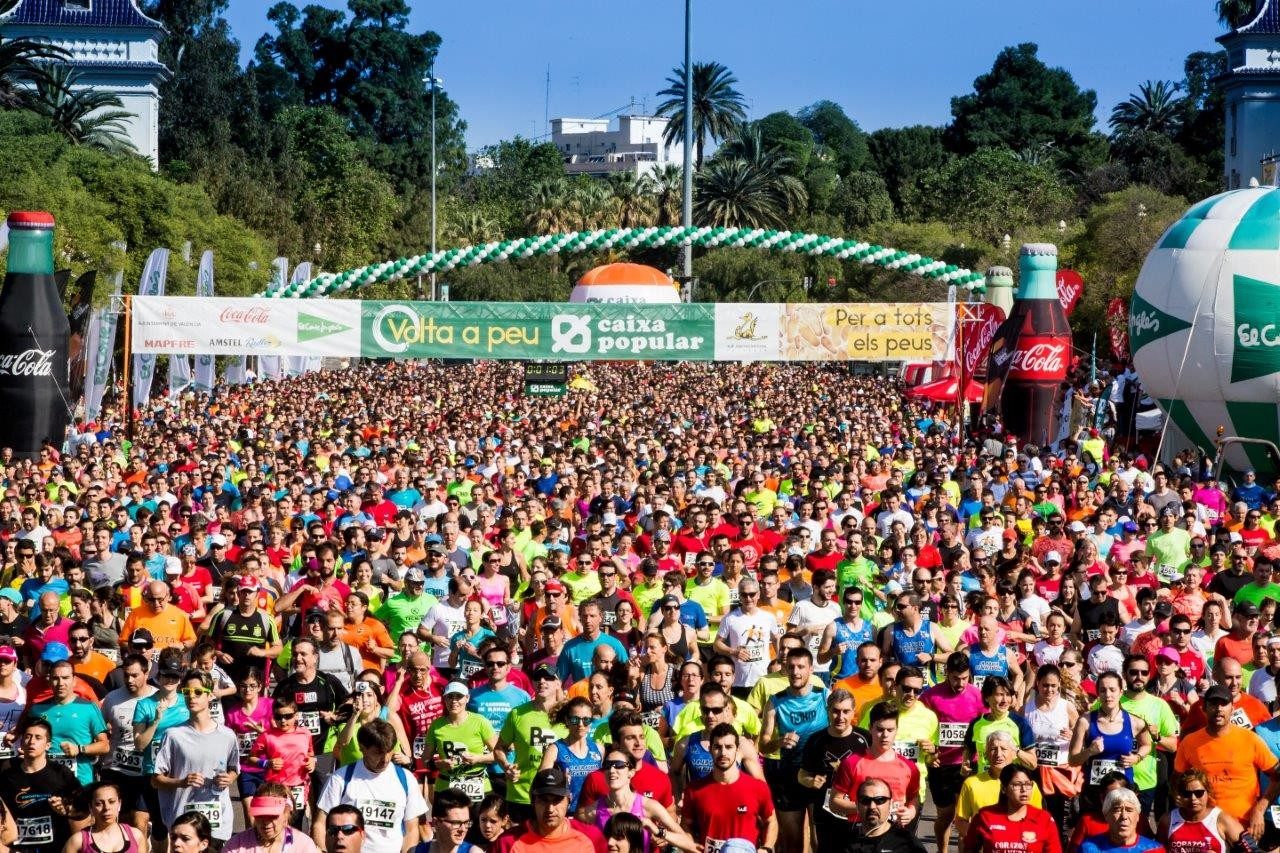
(471, 736)
(1162, 722)
(401, 613)
(1255, 593)
(647, 595)
(581, 585)
(860, 573)
(1170, 548)
(713, 596)
(529, 731)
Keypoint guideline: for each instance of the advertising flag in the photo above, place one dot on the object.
(1118, 328)
(205, 365)
(154, 274)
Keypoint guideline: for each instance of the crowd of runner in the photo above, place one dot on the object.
(711, 608)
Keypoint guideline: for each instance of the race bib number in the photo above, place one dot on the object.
(977, 681)
(472, 786)
(419, 746)
(713, 845)
(1241, 719)
(127, 761)
(610, 618)
(380, 813)
(755, 652)
(951, 734)
(212, 812)
(1101, 767)
(908, 749)
(35, 830)
(1274, 812)
(1092, 634)
(247, 740)
(1168, 573)
(1051, 755)
(651, 718)
(498, 615)
(466, 669)
(309, 720)
(112, 655)
(6, 751)
(298, 794)
(66, 761)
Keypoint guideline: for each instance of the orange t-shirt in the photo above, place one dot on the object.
(1232, 761)
(97, 667)
(865, 693)
(357, 636)
(170, 627)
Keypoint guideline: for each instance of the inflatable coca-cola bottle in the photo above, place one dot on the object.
(34, 332)
(1032, 397)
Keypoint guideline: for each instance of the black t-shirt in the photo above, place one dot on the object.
(1228, 583)
(322, 693)
(235, 634)
(16, 628)
(896, 840)
(27, 796)
(1091, 614)
(824, 752)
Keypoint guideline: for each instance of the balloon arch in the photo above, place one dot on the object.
(329, 284)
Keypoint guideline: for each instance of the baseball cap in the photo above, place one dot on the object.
(551, 781)
(11, 594)
(457, 688)
(649, 567)
(8, 653)
(1077, 527)
(626, 696)
(437, 548)
(1246, 608)
(172, 566)
(432, 539)
(1129, 527)
(1053, 557)
(247, 582)
(1217, 694)
(1169, 653)
(267, 806)
(55, 652)
(142, 637)
(188, 550)
(669, 601)
(551, 623)
(217, 540)
(415, 575)
(543, 672)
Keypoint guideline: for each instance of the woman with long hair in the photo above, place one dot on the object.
(1067, 602)
(1195, 818)
(657, 680)
(1013, 820)
(619, 767)
(1109, 738)
(1052, 718)
(577, 752)
(680, 638)
(624, 833)
(190, 833)
(625, 628)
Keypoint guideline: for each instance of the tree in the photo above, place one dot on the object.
(1204, 126)
(901, 155)
(1233, 13)
(508, 171)
(22, 62)
(992, 192)
(548, 207)
(1155, 108)
(1157, 161)
(717, 106)
(632, 204)
(861, 201)
(748, 185)
(85, 117)
(838, 134)
(374, 73)
(1022, 103)
(668, 193)
(781, 132)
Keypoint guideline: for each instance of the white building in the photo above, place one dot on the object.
(114, 48)
(1251, 88)
(589, 147)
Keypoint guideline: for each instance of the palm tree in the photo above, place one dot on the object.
(22, 62)
(747, 192)
(589, 202)
(668, 193)
(747, 145)
(1233, 13)
(1155, 108)
(471, 228)
(87, 117)
(633, 200)
(717, 106)
(549, 209)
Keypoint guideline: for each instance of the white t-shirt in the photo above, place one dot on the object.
(381, 798)
(443, 620)
(754, 632)
(807, 613)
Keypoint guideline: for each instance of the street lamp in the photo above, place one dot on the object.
(433, 81)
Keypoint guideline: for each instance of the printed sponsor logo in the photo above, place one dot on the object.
(255, 315)
(175, 344)
(32, 362)
(1040, 359)
(1257, 335)
(311, 327)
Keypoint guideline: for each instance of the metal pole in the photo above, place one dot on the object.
(686, 218)
(128, 366)
(433, 170)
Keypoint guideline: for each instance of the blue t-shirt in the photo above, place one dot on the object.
(575, 662)
(691, 612)
(145, 712)
(78, 721)
(496, 705)
(1102, 844)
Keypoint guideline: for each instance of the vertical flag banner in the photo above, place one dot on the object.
(294, 365)
(269, 367)
(1118, 328)
(100, 343)
(78, 316)
(237, 372)
(204, 377)
(154, 274)
(981, 321)
(1070, 287)
(279, 274)
(1003, 347)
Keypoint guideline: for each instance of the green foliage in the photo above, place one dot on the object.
(991, 192)
(85, 117)
(1156, 160)
(861, 200)
(21, 62)
(512, 167)
(718, 107)
(1155, 108)
(840, 137)
(783, 132)
(1233, 13)
(901, 155)
(1022, 104)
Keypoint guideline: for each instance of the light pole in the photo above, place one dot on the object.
(686, 218)
(431, 71)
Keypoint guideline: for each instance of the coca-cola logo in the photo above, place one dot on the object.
(254, 315)
(32, 362)
(974, 350)
(1040, 359)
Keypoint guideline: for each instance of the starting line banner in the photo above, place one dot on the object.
(551, 331)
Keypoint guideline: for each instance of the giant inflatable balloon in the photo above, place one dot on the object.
(626, 283)
(1205, 321)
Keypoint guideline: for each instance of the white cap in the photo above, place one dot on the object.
(172, 566)
(1077, 527)
(1053, 557)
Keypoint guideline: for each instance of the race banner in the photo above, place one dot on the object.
(1118, 328)
(100, 345)
(79, 315)
(205, 366)
(218, 325)
(981, 320)
(296, 365)
(1000, 358)
(1070, 287)
(152, 285)
(913, 332)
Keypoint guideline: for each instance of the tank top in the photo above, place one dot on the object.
(493, 590)
(907, 647)
(1202, 836)
(637, 808)
(653, 698)
(1047, 724)
(1113, 746)
(984, 665)
(87, 845)
(679, 647)
(577, 769)
(849, 659)
(697, 758)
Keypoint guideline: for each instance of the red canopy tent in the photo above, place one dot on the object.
(946, 390)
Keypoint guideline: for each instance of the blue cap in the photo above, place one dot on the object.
(11, 594)
(432, 539)
(55, 652)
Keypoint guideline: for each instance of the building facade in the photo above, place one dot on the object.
(113, 47)
(1251, 88)
(589, 147)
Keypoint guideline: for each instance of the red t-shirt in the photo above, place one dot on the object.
(649, 782)
(992, 830)
(1230, 647)
(816, 561)
(418, 710)
(902, 776)
(720, 811)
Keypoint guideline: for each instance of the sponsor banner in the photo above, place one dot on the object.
(748, 332)
(204, 377)
(1118, 328)
(1041, 358)
(981, 320)
(999, 360)
(1070, 287)
(537, 330)
(867, 331)
(154, 273)
(243, 326)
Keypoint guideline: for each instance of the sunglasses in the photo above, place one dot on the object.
(867, 801)
(1195, 795)
(1138, 672)
(195, 691)
(346, 829)
(616, 765)
(284, 716)
(496, 663)
(909, 689)
(578, 721)
(718, 709)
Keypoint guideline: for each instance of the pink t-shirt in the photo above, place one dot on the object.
(247, 842)
(955, 712)
(238, 721)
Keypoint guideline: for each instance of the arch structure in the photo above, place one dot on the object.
(331, 284)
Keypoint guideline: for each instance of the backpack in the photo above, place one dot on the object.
(349, 772)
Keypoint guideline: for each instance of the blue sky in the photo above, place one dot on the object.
(888, 64)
